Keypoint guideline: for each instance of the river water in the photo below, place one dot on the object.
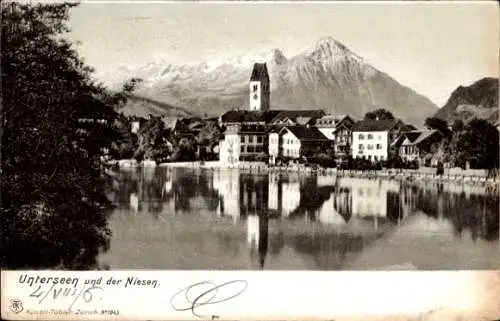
(168, 218)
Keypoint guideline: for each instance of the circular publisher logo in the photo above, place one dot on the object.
(16, 305)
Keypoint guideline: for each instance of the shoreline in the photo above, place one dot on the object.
(472, 177)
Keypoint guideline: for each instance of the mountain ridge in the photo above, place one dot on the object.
(479, 99)
(326, 76)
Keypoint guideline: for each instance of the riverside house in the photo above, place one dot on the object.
(338, 128)
(371, 138)
(245, 137)
(295, 142)
(416, 145)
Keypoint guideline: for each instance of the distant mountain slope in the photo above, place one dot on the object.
(327, 76)
(477, 100)
(143, 106)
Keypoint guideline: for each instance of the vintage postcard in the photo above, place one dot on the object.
(250, 160)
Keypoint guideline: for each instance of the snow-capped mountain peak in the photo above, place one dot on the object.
(326, 76)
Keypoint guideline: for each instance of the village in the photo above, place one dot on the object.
(262, 137)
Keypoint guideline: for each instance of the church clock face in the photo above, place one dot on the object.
(255, 96)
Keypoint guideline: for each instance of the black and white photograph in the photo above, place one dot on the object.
(307, 136)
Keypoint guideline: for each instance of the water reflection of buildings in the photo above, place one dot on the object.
(240, 194)
(274, 192)
(326, 199)
(338, 208)
(363, 199)
(257, 237)
(227, 183)
(369, 197)
(254, 191)
(290, 195)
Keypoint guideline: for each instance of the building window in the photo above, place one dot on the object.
(242, 138)
(379, 137)
(255, 87)
(370, 136)
(379, 146)
(258, 149)
(360, 147)
(242, 149)
(361, 136)
(370, 146)
(259, 139)
(375, 158)
(250, 149)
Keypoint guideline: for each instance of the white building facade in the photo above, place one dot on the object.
(291, 145)
(371, 139)
(273, 147)
(229, 148)
(370, 145)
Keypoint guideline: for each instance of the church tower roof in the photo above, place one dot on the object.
(259, 72)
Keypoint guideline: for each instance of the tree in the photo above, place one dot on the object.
(478, 144)
(458, 126)
(127, 143)
(185, 150)
(437, 124)
(57, 123)
(152, 143)
(208, 137)
(379, 114)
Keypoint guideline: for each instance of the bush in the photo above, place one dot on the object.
(323, 160)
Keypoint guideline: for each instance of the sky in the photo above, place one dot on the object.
(431, 47)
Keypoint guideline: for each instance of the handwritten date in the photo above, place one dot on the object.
(60, 293)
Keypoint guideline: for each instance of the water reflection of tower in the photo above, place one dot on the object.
(254, 194)
(227, 183)
(258, 236)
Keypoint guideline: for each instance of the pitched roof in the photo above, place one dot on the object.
(415, 137)
(306, 133)
(294, 114)
(259, 72)
(333, 120)
(375, 125)
(274, 128)
(425, 135)
(240, 116)
(336, 118)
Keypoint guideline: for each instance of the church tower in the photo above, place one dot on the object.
(260, 88)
